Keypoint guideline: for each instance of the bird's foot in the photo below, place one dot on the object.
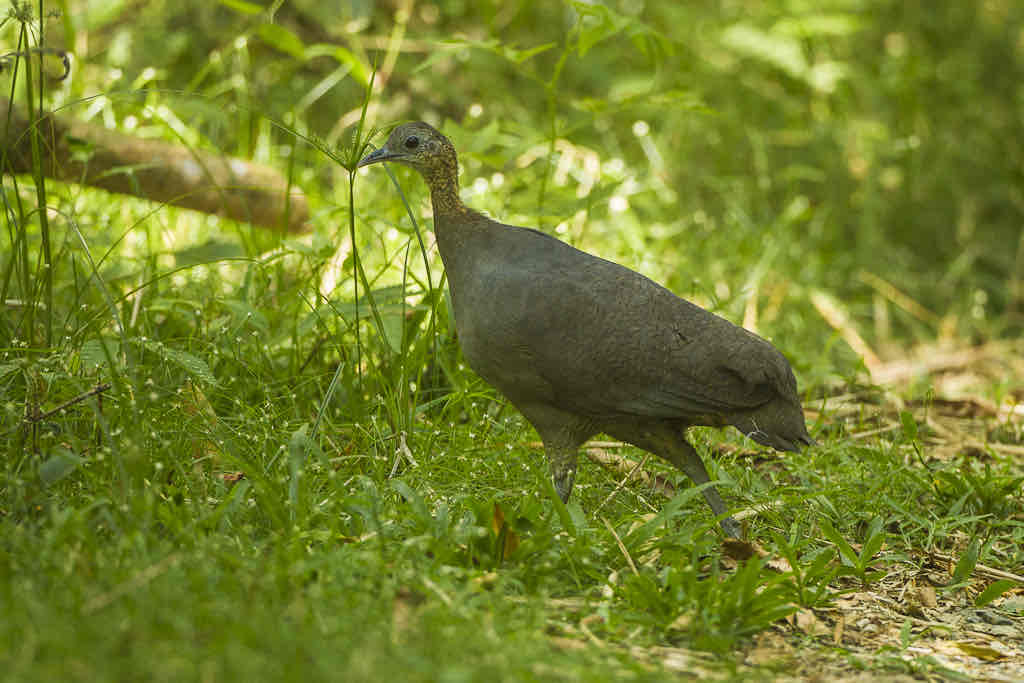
(563, 478)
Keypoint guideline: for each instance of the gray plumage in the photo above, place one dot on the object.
(581, 345)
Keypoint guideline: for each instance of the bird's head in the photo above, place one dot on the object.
(419, 146)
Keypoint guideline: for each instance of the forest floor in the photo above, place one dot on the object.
(905, 620)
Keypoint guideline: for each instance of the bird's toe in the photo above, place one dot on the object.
(563, 480)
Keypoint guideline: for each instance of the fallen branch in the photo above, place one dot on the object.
(934, 360)
(989, 572)
(629, 469)
(84, 153)
(837, 317)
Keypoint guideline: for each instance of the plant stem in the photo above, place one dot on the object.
(40, 182)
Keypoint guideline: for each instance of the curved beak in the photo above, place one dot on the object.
(381, 154)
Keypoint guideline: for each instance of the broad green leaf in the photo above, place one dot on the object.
(782, 52)
(520, 56)
(247, 314)
(993, 591)
(563, 513)
(845, 549)
(983, 652)
(95, 353)
(668, 510)
(967, 562)
(208, 252)
(906, 631)
(599, 22)
(596, 23)
(196, 367)
(871, 577)
(579, 518)
(909, 425)
(58, 466)
(875, 539)
(414, 499)
(360, 71)
(243, 7)
(282, 39)
(820, 563)
(392, 325)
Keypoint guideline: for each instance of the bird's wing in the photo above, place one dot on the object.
(691, 390)
(608, 340)
(642, 350)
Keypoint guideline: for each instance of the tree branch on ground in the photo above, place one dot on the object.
(88, 154)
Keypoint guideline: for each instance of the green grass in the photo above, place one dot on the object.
(125, 552)
(265, 470)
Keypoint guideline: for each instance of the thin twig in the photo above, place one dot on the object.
(437, 589)
(991, 571)
(622, 483)
(625, 553)
(839, 319)
(626, 466)
(98, 389)
(140, 579)
(585, 627)
(890, 292)
(874, 432)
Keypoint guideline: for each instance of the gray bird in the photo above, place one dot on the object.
(581, 345)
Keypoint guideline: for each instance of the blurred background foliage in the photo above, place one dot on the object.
(196, 410)
(738, 150)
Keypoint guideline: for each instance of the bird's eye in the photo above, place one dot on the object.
(412, 142)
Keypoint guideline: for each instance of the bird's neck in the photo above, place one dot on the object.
(455, 225)
(444, 196)
(446, 202)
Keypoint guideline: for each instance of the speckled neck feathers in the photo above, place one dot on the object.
(441, 172)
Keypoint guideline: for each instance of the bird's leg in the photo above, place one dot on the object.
(563, 434)
(671, 444)
(562, 462)
(686, 458)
